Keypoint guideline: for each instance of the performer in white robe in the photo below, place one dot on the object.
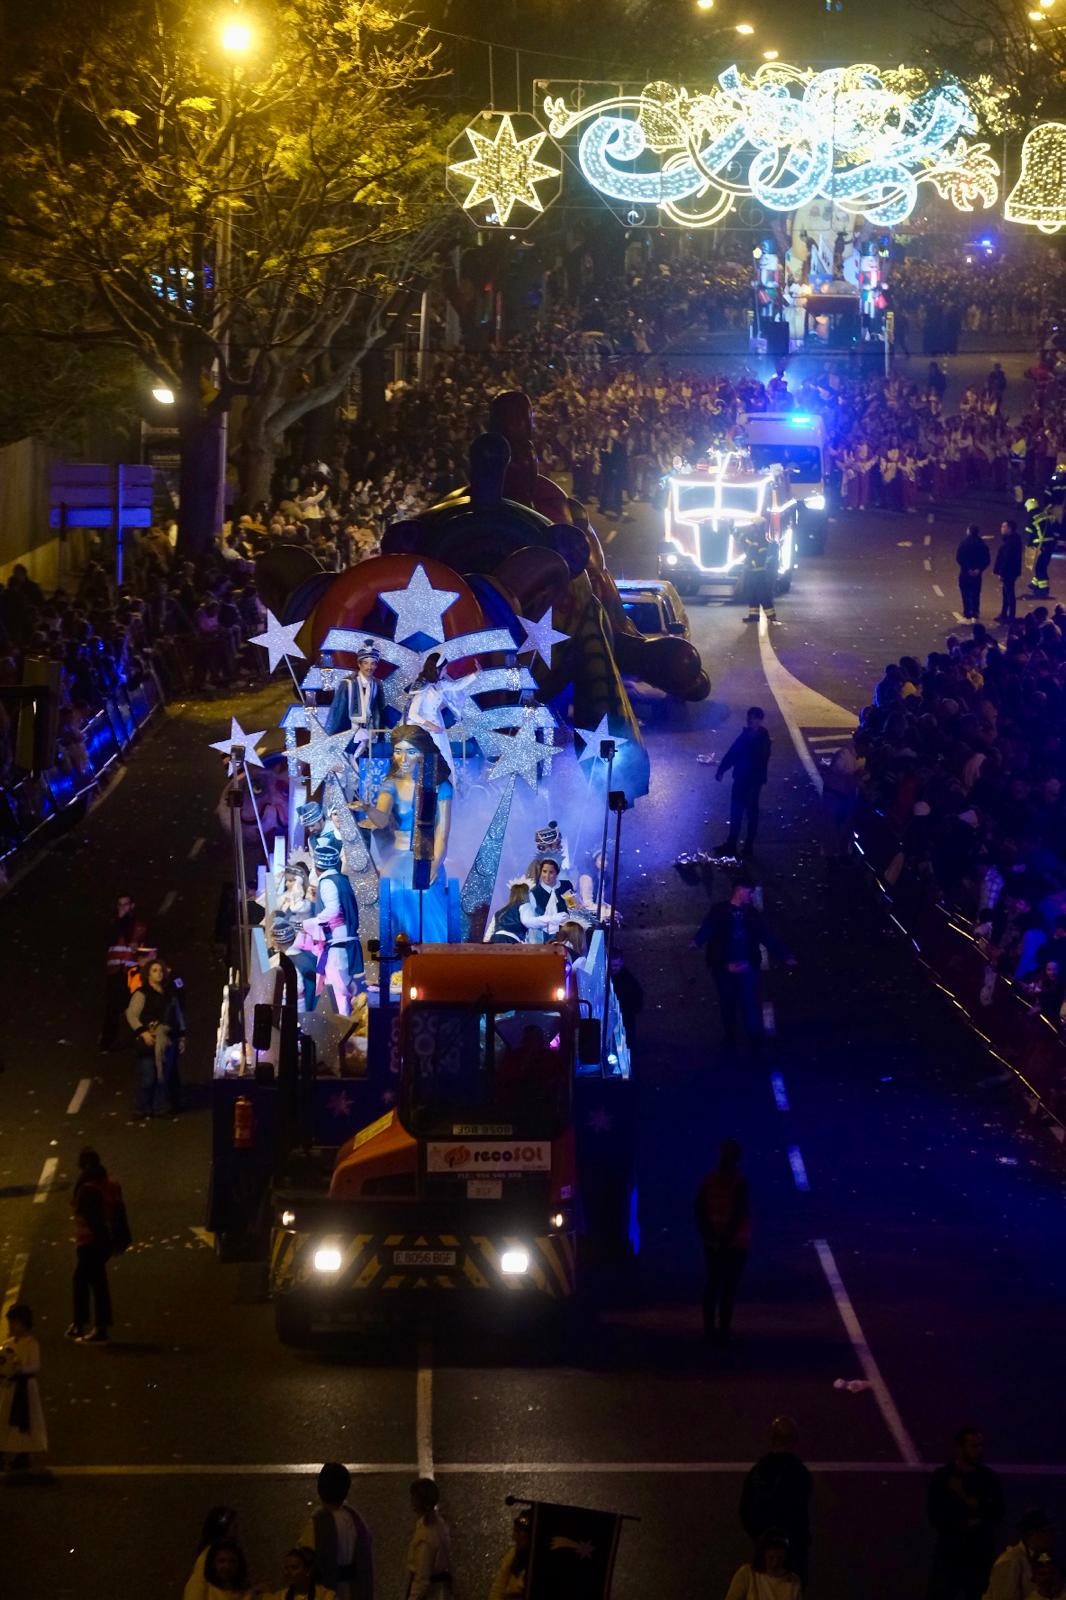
(432, 692)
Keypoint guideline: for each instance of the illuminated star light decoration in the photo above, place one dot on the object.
(862, 138)
(279, 640)
(1038, 199)
(541, 637)
(419, 607)
(238, 739)
(504, 171)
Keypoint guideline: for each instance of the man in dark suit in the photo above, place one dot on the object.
(359, 702)
(731, 934)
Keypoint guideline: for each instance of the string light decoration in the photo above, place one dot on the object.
(503, 172)
(1038, 199)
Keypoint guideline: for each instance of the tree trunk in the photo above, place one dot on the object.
(202, 439)
(257, 457)
(201, 483)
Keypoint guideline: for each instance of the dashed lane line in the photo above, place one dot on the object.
(777, 1084)
(928, 539)
(197, 846)
(938, 591)
(166, 902)
(45, 1181)
(77, 1099)
(799, 1170)
(871, 1371)
(769, 1020)
(927, 564)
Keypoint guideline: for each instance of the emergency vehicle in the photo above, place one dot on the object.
(708, 512)
(795, 440)
(483, 1148)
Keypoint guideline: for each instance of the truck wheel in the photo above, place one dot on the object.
(292, 1321)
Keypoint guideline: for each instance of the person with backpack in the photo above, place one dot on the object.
(101, 1231)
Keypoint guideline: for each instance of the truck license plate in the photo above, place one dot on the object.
(423, 1258)
(484, 1188)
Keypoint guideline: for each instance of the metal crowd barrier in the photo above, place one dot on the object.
(996, 1008)
(42, 801)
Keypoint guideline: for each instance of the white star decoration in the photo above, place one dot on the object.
(540, 637)
(279, 640)
(325, 752)
(593, 738)
(238, 739)
(521, 753)
(504, 170)
(419, 608)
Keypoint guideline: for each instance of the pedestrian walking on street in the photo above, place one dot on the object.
(510, 1580)
(97, 1205)
(429, 1554)
(344, 1553)
(723, 1222)
(777, 1495)
(732, 933)
(156, 1020)
(1008, 568)
(748, 758)
(964, 1503)
(768, 1575)
(1013, 1573)
(972, 558)
(22, 1430)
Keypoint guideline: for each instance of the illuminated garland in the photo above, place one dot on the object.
(1038, 199)
(855, 136)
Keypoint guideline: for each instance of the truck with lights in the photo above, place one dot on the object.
(483, 1152)
(708, 514)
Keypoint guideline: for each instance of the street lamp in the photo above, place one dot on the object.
(236, 38)
(704, 5)
(744, 27)
(163, 395)
(770, 55)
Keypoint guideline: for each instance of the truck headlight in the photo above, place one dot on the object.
(512, 1262)
(671, 558)
(288, 1218)
(815, 502)
(327, 1258)
(557, 1221)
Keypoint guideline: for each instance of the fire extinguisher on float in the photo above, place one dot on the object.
(243, 1123)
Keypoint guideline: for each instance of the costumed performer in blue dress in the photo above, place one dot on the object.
(412, 817)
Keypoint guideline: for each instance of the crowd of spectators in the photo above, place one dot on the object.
(965, 758)
(181, 625)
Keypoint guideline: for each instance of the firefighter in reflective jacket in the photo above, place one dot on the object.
(1042, 534)
(761, 558)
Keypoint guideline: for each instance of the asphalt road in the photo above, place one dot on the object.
(895, 1188)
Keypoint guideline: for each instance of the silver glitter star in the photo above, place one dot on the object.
(238, 739)
(540, 637)
(521, 753)
(593, 738)
(419, 608)
(279, 640)
(324, 753)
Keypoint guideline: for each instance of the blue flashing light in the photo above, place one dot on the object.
(802, 421)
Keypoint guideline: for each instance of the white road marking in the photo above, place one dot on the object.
(938, 591)
(197, 846)
(871, 1371)
(828, 738)
(927, 564)
(928, 539)
(904, 544)
(44, 1182)
(777, 1084)
(769, 1021)
(799, 705)
(424, 1409)
(167, 901)
(77, 1099)
(799, 1171)
(13, 1292)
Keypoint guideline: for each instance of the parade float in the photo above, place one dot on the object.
(422, 1079)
